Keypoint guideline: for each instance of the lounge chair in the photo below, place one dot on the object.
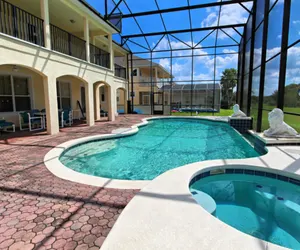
(103, 113)
(4, 126)
(65, 117)
(32, 122)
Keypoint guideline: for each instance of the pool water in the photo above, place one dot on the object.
(161, 145)
(265, 208)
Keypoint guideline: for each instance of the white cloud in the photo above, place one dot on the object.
(230, 14)
(165, 63)
(203, 65)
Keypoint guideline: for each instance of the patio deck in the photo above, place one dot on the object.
(39, 210)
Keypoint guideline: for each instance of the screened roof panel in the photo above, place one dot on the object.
(156, 23)
(178, 20)
(188, 20)
(140, 6)
(163, 4)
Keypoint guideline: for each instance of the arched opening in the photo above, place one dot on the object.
(71, 100)
(103, 102)
(22, 95)
(121, 101)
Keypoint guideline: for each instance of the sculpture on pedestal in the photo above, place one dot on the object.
(278, 128)
(237, 112)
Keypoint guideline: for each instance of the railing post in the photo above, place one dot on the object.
(69, 44)
(46, 24)
(14, 20)
(87, 39)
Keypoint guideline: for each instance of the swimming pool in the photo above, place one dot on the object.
(266, 207)
(161, 145)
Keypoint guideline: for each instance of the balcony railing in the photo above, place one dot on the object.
(66, 43)
(99, 56)
(120, 71)
(21, 24)
(145, 81)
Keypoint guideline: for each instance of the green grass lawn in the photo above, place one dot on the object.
(292, 120)
(223, 112)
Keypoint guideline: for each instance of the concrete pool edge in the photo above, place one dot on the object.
(167, 217)
(55, 166)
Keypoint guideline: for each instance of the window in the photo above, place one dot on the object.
(63, 95)
(294, 32)
(260, 11)
(271, 83)
(275, 30)
(258, 46)
(292, 82)
(144, 98)
(14, 93)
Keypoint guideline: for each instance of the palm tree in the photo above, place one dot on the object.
(228, 83)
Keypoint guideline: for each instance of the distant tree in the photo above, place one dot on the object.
(291, 97)
(228, 83)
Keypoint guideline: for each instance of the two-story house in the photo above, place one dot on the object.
(56, 55)
(145, 85)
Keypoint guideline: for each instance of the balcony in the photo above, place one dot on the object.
(145, 81)
(23, 25)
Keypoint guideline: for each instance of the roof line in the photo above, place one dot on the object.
(98, 14)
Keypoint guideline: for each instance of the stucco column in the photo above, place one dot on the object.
(87, 38)
(125, 101)
(111, 51)
(45, 16)
(97, 102)
(89, 104)
(50, 93)
(112, 103)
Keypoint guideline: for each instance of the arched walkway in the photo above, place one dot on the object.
(24, 89)
(104, 101)
(121, 100)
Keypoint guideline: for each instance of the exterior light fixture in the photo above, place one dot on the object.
(15, 68)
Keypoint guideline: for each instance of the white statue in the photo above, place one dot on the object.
(237, 112)
(278, 128)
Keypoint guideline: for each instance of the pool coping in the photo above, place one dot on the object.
(167, 217)
(54, 165)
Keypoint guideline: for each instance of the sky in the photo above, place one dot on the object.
(182, 67)
(204, 63)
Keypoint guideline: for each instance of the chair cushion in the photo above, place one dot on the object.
(6, 124)
(25, 117)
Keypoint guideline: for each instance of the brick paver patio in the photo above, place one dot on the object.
(39, 210)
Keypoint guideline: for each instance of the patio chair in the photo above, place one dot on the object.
(32, 122)
(103, 113)
(4, 126)
(65, 117)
